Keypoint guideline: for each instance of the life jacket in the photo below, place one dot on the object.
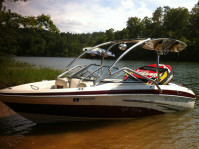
(165, 73)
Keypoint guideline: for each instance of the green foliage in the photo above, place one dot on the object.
(10, 19)
(110, 34)
(135, 27)
(38, 36)
(176, 22)
(45, 22)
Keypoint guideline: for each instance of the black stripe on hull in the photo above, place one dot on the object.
(89, 111)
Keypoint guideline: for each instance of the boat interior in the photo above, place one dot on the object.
(95, 74)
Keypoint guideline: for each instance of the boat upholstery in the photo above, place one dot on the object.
(61, 83)
(73, 82)
(165, 73)
(77, 83)
(86, 84)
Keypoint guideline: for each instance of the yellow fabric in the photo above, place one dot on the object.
(163, 77)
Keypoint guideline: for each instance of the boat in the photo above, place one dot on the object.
(104, 92)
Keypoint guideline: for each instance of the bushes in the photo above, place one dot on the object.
(14, 73)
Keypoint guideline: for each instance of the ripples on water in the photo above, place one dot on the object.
(177, 130)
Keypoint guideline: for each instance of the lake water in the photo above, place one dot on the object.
(177, 130)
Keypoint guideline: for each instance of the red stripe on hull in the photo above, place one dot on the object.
(164, 92)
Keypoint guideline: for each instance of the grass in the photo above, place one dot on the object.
(15, 73)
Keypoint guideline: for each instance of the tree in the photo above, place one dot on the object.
(10, 25)
(147, 27)
(134, 26)
(123, 34)
(157, 21)
(45, 22)
(176, 22)
(110, 34)
(194, 23)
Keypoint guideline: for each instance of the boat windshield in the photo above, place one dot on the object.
(119, 76)
(98, 73)
(92, 72)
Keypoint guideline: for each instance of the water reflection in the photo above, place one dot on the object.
(15, 125)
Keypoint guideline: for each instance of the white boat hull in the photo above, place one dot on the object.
(108, 102)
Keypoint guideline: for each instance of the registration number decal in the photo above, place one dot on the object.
(83, 99)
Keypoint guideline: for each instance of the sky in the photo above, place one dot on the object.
(87, 16)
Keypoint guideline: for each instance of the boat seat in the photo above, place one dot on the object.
(61, 83)
(86, 84)
(73, 82)
(165, 72)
